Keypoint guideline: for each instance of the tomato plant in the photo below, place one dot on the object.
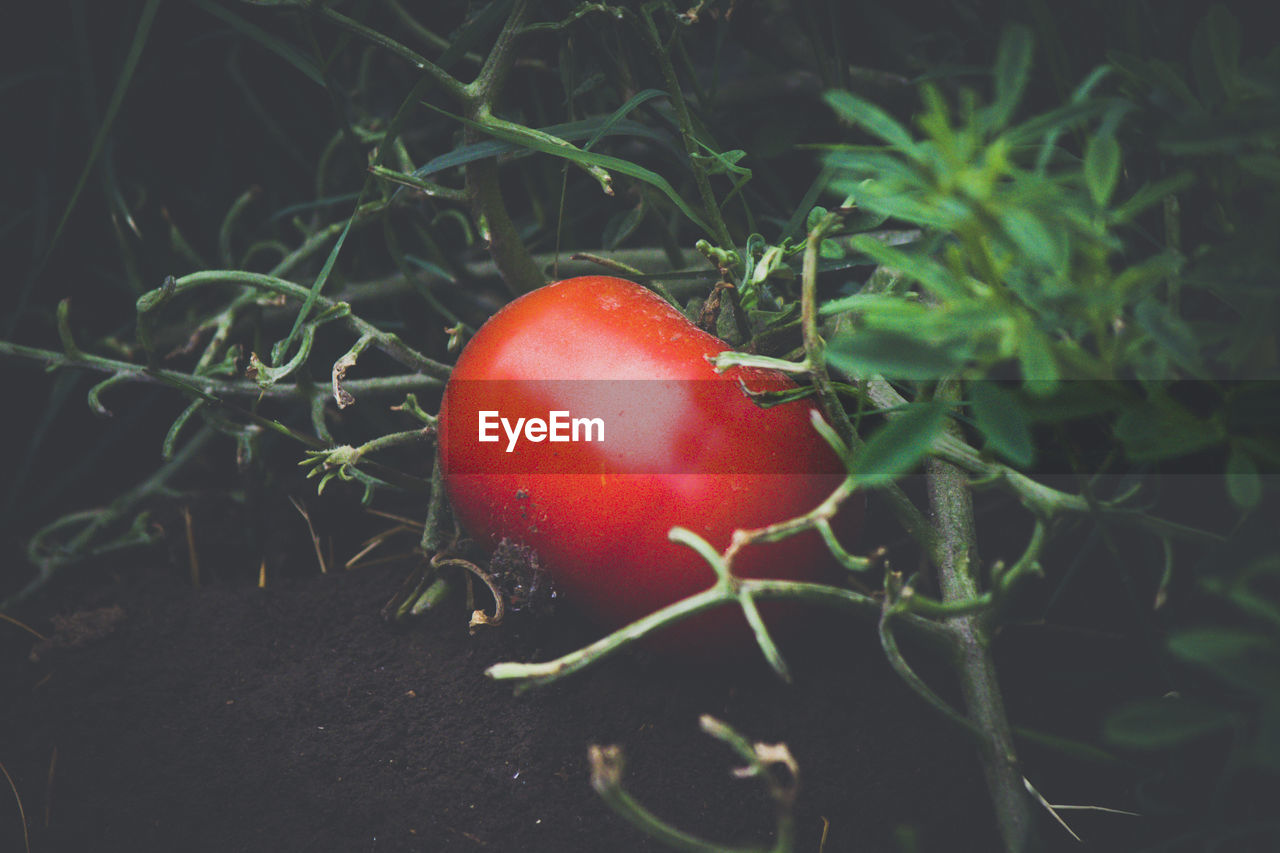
(677, 444)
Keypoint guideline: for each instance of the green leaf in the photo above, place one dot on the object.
(1133, 281)
(1254, 406)
(1172, 334)
(1251, 589)
(1155, 74)
(869, 352)
(1163, 723)
(1151, 194)
(892, 195)
(140, 35)
(936, 278)
(769, 399)
(1003, 422)
(1243, 483)
(1013, 64)
(1159, 428)
(871, 302)
(1053, 123)
(1224, 47)
(1202, 67)
(276, 45)
(871, 119)
(900, 445)
(1264, 166)
(1101, 166)
(1039, 367)
(1072, 400)
(621, 226)
(1265, 750)
(862, 162)
(1069, 747)
(1036, 240)
(722, 163)
(1248, 660)
(1255, 125)
(831, 250)
(1212, 646)
(283, 346)
(591, 129)
(557, 147)
(607, 125)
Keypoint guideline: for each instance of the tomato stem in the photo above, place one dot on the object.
(529, 675)
(952, 503)
(608, 765)
(815, 358)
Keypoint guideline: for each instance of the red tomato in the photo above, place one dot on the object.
(681, 445)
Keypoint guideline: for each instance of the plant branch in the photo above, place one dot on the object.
(385, 341)
(952, 505)
(517, 267)
(78, 547)
(815, 348)
(711, 207)
(815, 360)
(607, 766)
(484, 89)
(889, 643)
(1042, 500)
(129, 371)
(444, 79)
(529, 675)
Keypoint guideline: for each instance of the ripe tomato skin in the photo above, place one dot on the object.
(696, 453)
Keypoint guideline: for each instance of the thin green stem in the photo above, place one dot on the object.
(538, 674)
(446, 81)
(1005, 579)
(394, 439)
(422, 185)
(129, 371)
(607, 767)
(484, 89)
(815, 347)
(317, 240)
(908, 515)
(434, 39)
(437, 529)
(653, 259)
(710, 206)
(385, 341)
(227, 230)
(889, 643)
(78, 547)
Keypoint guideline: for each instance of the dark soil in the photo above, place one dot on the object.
(161, 716)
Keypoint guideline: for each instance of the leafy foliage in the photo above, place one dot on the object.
(1036, 261)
